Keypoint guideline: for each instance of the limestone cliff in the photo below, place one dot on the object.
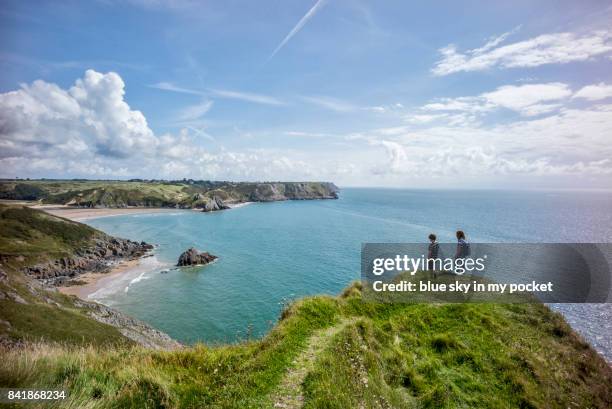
(185, 194)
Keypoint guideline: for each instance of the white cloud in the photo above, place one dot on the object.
(330, 103)
(168, 86)
(572, 142)
(195, 111)
(423, 118)
(397, 158)
(464, 104)
(92, 112)
(385, 108)
(245, 96)
(450, 119)
(494, 42)
(528, 100)
(595, 92)
(308, 134)
(89, 130)
(557, 48)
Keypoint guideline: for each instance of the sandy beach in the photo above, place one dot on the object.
(95, 281)
(80, 214)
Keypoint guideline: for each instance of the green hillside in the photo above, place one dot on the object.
(182, 194)
(35, 236)
(29, 312)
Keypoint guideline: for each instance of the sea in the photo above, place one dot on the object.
(273, 253)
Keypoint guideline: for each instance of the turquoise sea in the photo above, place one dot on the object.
(270, 253)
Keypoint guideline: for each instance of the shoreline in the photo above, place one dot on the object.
(95, 281)
(238, 205)
(80, 214)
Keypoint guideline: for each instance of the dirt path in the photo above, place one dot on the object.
(289, 393)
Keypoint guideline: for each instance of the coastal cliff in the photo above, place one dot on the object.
(184, 194)
(99, 257)
(39, 251)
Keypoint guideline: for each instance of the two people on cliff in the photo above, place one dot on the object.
(433, 251)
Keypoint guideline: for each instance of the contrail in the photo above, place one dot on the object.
(318, 5)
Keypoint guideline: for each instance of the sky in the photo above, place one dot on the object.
(391, 94)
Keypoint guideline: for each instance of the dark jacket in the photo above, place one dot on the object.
(433, 250)
(463, 249)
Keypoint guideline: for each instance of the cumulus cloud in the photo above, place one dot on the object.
(92, 113)
(397, 158)
(594, 92)
(89, 130)
(557, 48)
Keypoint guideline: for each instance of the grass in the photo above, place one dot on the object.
(46, 322)
(36, 236)
(229, 376)
(458, 355)
(384, 355)
(27, 237)
(114, 193)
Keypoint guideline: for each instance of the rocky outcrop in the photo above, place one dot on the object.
(96, 258)
(193, 257)
(131, 328)
(213, 204)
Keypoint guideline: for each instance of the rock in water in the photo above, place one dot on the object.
(193, 257)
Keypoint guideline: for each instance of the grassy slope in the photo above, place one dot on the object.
(384, 355)
(44, 322)
(30, 236)
(131, 193)
(37, 236)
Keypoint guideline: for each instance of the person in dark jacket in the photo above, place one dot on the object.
(432, 252)
(463, 247)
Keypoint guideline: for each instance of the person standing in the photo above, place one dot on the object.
(463, 247)
(432, 252)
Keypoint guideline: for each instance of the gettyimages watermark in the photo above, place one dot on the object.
(487, 272)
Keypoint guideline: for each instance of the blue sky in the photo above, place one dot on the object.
(451, 94)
